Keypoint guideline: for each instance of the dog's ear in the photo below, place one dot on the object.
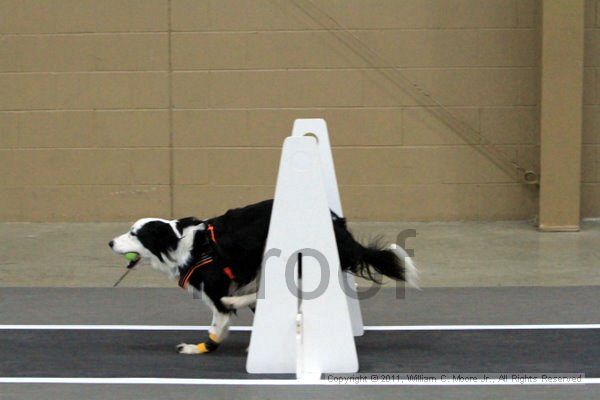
(186, 222)
(158, 237)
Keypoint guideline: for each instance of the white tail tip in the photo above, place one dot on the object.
(411, 273)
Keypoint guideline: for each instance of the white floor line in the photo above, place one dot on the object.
(280, 382)
(249, 328)
(277, 382)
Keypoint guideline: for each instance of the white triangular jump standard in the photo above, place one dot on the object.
(312, 333)
(317, 127)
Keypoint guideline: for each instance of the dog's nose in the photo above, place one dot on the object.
(111, 244)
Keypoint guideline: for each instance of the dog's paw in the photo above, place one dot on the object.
(184, 348)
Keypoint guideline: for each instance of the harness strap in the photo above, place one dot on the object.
(185, 278)
(227, 270)
(229, 273)
(206, 260)
(211, 229)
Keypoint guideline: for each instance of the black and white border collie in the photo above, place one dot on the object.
(222, 257)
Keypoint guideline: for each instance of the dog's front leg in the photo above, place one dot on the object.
(216, 334)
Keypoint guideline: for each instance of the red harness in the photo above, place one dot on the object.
(207, 259)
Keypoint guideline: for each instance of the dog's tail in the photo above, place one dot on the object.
(393, 262)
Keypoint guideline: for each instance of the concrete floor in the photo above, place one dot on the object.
(160, 306)
(434, 306)
(182, 392)
(151, 354)
(460, 254)
(477, 273)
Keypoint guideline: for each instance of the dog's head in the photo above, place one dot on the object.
(154, 239)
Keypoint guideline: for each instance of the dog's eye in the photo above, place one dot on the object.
(132, 233)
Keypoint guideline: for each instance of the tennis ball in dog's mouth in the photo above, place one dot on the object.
(132, 256)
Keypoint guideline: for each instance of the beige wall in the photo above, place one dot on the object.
(590, 200)
(113, 110)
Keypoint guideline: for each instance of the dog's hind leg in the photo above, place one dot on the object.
(238, 302)
(220, 329)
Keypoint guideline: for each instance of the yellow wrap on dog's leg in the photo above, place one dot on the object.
(209, 345)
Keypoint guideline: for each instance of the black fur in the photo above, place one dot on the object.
(241, 235)
(158, 237)
(186, 223)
